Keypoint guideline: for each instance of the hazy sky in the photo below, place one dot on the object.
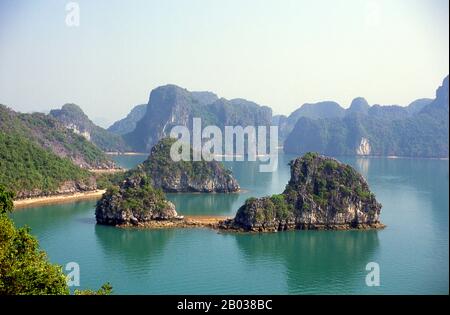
(280, 53)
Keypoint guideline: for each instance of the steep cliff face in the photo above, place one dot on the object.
(185, 176)
(321, 194)
(135, 202)
(171, 105)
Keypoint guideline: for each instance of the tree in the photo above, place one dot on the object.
(6, 200)
(24, 268)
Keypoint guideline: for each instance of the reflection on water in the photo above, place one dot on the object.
(343, 256)
(130, 244)
(204, 203)
(362, 166)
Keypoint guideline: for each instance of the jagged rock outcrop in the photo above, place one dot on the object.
(185, 176)
(135, 202)
(321, 194)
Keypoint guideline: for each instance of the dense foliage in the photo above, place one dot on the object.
(24, 268)
(25, 166)
(137, 195)
(50, 134)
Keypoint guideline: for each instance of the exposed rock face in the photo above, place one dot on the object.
(128, 123)
(321, 194)
(171, 106)
(73, 118)
(364, 147)
(135, 202)
(68, 187)
(185, 176)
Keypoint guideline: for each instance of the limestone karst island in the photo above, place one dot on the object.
(219, 155)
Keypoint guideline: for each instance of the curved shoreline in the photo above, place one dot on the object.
(58, 199)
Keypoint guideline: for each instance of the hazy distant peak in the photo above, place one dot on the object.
(359, 104)
(72, 108)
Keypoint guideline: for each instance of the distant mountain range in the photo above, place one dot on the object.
(330, 109)
(51, 153)
(360, 129)
(419, 130)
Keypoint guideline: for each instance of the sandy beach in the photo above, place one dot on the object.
(23, 203)
(191, 221)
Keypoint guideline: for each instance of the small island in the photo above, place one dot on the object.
(185, 176)
(321, 194)
(135, 202)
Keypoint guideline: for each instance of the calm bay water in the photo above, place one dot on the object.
(412, 251)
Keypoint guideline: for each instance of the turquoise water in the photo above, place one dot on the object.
(412, 251)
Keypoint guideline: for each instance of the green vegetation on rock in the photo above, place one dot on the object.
(134, 201)
(321, 194)
(24, 268)
(27, 167)
(50, 134)
(182, 176)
